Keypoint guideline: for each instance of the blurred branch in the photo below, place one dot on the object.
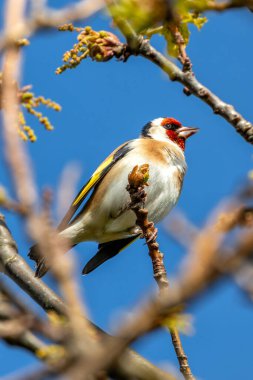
(137, 180)
(128, 366)
(14, 327)
(239, 216)
(137, 45)
(224, 5)
(244, 278)
(184, 232)
(77, 329)
(21, 320)
(14, 153)
(10, 205)
(12, 306)
(16, 268)
(180, 228)
(44, 18)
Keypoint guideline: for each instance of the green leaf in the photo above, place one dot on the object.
(172, 47)
(194, 19)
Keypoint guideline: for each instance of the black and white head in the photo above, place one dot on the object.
(168, 128)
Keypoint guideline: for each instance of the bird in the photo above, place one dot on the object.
(105, 217)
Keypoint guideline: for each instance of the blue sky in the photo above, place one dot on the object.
(105, 104)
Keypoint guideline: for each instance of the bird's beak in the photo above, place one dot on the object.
(186, 132)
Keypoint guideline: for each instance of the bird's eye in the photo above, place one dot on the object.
(171, 126)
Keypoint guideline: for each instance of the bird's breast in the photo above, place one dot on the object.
(166, 172)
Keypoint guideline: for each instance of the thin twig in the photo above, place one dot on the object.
(182, 56)
(137, 180)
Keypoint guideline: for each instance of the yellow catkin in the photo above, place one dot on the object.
(21, 118)
(88, 41)
(30, 102)
(30, 133)
(23, 135)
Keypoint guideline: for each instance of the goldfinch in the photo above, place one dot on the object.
(105, 217)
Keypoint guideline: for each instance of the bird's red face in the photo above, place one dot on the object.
(168, 128)
(176, 132)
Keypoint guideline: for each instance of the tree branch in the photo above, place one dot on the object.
(219, 107)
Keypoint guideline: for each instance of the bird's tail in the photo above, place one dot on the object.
(41, 263)
(106, 251)
(41, 266)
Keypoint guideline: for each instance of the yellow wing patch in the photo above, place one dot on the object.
(96, 177)
(93, 180)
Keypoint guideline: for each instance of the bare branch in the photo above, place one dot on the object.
(181, 229)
